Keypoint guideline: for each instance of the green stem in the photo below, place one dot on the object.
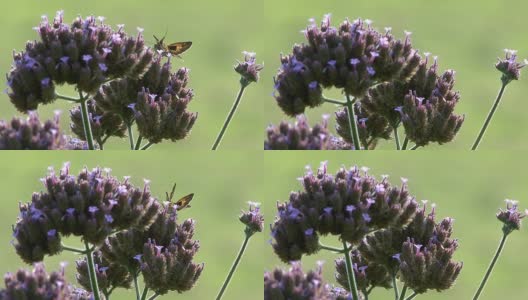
(230, 115)
(397, 138)
(330, 248)
(365, 295)
(414, 147)
(490, 268)
(233, 267)
(145, 292)
(489, 117)
(91, 271)
(136, 286)
(405, 143)
(153, 297)
(138, 142)
(73, 249)
(403, 292)
(395, 285)
(352, 123)
(131, 137)
(86, 121)
(148, 145)
(333, 101)
(350, 272)
(412, 296)
(67, 98)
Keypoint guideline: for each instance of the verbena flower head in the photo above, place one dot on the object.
(428, 266)
(109, 275)
(157, 102)
(352, 57)
(371, 127)
(420, 253)
(348, 204)
(424, 104)
(85, 54)
(248, 69)
(31, 134)
(163, 252)
(296, 284)
(170, 267)
(90, 205)
(253, 219)
(103, 124)
(510, 67)
(37, 284)
(367, 274)
(299, 136)
(511, 217)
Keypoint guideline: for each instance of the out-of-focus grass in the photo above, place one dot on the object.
(467, 187)
(467, 36)
(222, 183)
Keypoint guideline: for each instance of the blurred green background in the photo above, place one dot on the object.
(222, 183)
(466, 35)
(469, 187)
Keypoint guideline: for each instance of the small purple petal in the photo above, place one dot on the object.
(103, 67)
(354, 61)
(350, 208)
(366, 217)
(397, 256)
(109, 219)
(87, 58)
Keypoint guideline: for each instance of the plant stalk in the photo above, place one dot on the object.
(490, 268)
(350, 273)
(86, 121)
(397, 138)
(91, 272)
(230, 115)
(233, 267)
(352, 123)
(131, 137)
(489, 117)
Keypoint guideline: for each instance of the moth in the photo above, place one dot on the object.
(182, 202)
(172, 49)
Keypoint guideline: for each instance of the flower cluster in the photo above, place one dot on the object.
(157, 102)
(420, 254)
(86, 54)
(103, 124)
(31, 134)
(379, 71)
(253, 219)
(123, 80)
(163, 254)
(248, 69)
(371, 127)
(348, 204)
(109, 275)
(300, 136)
(296, 284)
(510, 68)
(368, 274)
(91, 205)
(39, 285)
(511, 217)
